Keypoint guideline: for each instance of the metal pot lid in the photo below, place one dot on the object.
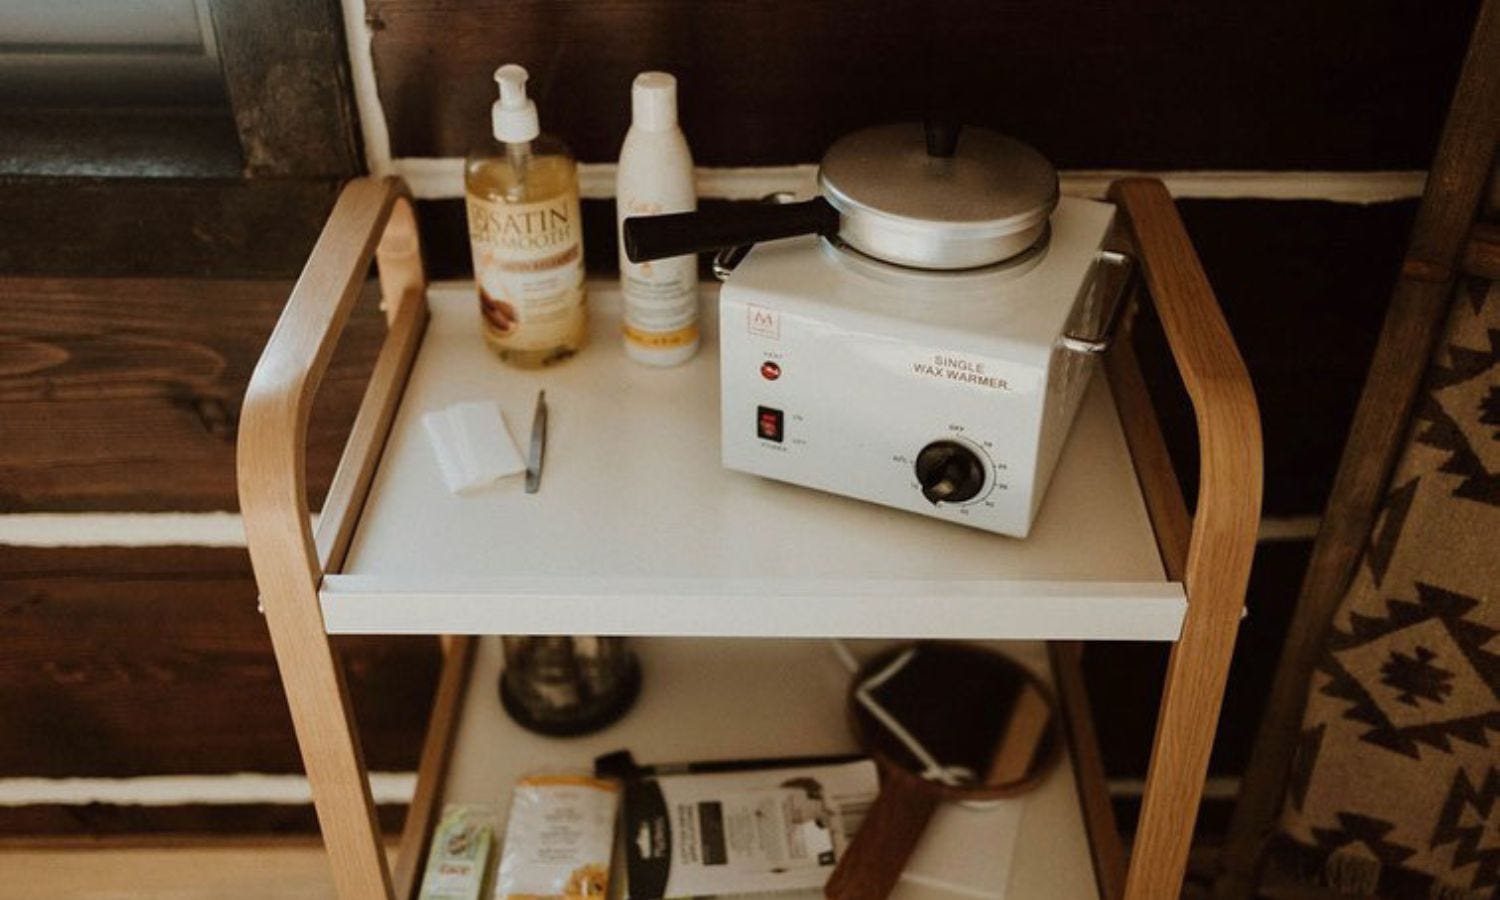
(990, 186)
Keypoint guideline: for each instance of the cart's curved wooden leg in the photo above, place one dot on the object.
(1222, 541)
(273, 500)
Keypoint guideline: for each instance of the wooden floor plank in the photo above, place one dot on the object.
(232, 871)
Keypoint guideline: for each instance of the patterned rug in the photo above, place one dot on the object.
(1395, 787)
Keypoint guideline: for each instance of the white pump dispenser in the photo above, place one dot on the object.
(514, 114)
(514, 121)
(655, 176)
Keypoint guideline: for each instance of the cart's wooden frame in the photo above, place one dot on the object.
(1209, 550)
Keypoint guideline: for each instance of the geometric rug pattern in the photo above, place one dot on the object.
(1395, 783)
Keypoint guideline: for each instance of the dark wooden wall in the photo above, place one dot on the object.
(121, 394)
(1150, 84)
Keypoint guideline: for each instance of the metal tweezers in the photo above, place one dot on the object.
(538, 444)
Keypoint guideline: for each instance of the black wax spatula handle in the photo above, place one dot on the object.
(658, 237)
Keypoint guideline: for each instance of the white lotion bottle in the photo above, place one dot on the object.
(655, 176)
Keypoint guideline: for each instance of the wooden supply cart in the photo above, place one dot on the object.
(639, 531)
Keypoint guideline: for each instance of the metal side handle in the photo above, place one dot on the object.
(729, 257)
(1098, 343)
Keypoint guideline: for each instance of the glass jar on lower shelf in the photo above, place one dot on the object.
(568, 685)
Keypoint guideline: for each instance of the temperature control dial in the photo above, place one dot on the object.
(949, 472)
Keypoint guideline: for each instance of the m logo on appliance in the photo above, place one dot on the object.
(763, 322)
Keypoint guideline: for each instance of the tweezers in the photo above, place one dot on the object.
(538, 444)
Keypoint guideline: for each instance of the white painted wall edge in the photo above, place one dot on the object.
(441, 179)
(174, 790)
(372, 124)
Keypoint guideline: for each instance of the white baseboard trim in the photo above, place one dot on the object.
(442, 179)
(178, 790)
(294, 790)
(1337, 187)
(225, 529)
(160, 529)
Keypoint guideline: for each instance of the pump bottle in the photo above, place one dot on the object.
(526, 234)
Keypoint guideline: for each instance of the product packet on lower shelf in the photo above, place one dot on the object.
(460, 854)
(741, 832)
(559, 839)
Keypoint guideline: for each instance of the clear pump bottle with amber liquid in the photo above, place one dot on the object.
(526, 235)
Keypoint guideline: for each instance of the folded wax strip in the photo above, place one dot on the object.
(489, 439)
(444, 447)
(472, 445)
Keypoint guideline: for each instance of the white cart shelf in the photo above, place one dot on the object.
(637, 530)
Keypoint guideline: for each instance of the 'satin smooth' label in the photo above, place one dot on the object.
(528, 261)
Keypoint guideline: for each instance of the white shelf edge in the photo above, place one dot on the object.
(1009, 610)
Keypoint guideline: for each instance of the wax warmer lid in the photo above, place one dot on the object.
(938, 197)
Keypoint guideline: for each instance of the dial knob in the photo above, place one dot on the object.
(949, 472)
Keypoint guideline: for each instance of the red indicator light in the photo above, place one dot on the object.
(770, 371)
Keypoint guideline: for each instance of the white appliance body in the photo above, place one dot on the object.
(854, 377)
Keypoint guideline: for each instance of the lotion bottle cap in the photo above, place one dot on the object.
(514, 114)
(653, 101)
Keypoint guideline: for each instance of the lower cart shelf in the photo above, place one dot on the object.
(739, 698)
